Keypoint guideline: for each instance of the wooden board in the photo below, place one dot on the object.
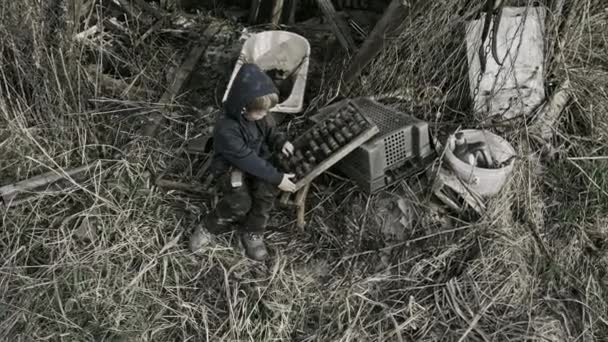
(376, 40)
(254, 10)
(338, 25)
(277, 11)
(301, 205)
(342, 152)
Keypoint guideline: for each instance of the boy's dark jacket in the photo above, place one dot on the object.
(246, 144)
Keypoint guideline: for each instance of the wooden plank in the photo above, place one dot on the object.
(277, 11)
(167, 185)
(254, 11)
(376, 40)
(8, 192)
(338, 25)
(293, 6)
(181, 77)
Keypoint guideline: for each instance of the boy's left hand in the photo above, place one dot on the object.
(287, 149)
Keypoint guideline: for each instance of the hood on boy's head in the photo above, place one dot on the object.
(250, 82)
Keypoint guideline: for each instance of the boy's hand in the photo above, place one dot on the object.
(287, 149)
(286, 184)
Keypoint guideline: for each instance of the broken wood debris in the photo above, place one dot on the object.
(338, 25)
(109, 84)
(195, 188)
(277, 11)
(299, 203)
(454, 193)
(181, 77)
(376, 40)
(9, 192)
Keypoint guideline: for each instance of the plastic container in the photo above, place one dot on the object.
(486, 182)
(280, 50)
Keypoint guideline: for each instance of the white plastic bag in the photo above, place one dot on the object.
(517, 87)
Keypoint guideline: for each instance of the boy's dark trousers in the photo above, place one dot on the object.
(248, 205)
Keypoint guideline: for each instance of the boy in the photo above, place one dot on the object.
(243, 141)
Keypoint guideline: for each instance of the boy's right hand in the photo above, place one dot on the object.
(286, 184)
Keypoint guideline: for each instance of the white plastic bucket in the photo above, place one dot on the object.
(278, 50)
(486, 182)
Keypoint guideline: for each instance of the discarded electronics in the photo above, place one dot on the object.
(331, 139)
(285, 57)
(400, 149)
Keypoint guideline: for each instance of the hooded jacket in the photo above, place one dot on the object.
(239, 142)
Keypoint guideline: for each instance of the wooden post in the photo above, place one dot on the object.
(338, 25)
(293, 7)
(376, 40)
(254, 11)
(277, 11)
(301, 204)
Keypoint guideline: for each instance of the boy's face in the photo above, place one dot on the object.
(254, 115)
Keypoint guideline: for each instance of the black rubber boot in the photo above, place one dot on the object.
(254, 246)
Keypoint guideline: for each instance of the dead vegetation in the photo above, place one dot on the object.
(105, 258)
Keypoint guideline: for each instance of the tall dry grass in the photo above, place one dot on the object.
(106, 258)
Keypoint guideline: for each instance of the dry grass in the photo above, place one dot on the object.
(532, 269)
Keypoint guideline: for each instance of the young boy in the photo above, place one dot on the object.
(243, 141)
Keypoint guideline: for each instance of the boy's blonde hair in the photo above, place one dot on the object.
(263, 102)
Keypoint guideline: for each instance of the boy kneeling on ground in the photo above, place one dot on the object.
(243, 140)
